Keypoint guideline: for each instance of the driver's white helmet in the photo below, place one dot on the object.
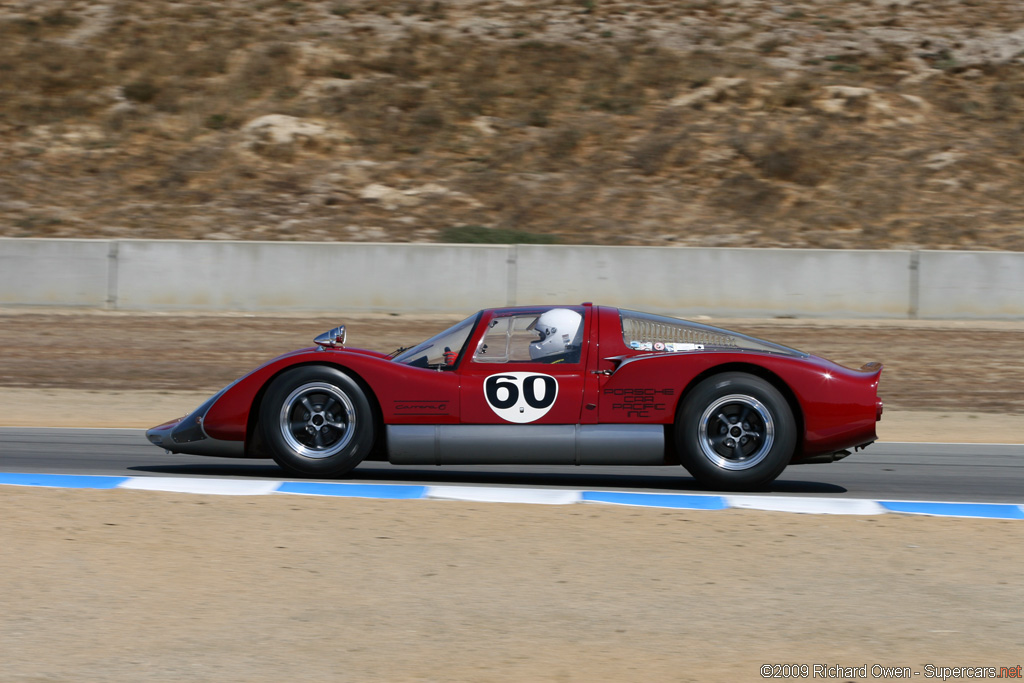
(557, 328)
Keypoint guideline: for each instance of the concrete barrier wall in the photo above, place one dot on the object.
(971, 284)
(54, 272)
(269, 276)
(172, 275)
(740, 282)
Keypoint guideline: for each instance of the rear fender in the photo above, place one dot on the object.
(835, 407)
(757, 371)
(677, 374)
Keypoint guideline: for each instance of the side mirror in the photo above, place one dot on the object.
(332, 339)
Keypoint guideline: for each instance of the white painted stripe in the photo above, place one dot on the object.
(224, 487)
(486, 494)
(818, 506)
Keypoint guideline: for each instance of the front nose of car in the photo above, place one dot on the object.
(161, 434)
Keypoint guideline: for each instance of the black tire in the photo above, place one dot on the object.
(317, 422)
(735, 432)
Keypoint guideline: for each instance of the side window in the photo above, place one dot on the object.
(551, 336)
(507, 340)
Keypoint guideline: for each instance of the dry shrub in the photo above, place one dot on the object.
(605, 93)
(891, 57)
(122, 119)
(661, 69)
(340, 9)
(1003, 98)
(562, 142)
(210, 60)
(406, 97)
(265, 69)
(46, 82)
(399, 61)
(771, 44)
(333, 68)
(60, 19)
(747, 196)
(476, 87)
(510, 153)
(650, 154)
(143, 91)
(555, 61)
(428, 118)
(784, 163)
(699, 67)
(798, 156)
(796, 92)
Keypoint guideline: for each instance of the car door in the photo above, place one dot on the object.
(519, 404)
(505, 381)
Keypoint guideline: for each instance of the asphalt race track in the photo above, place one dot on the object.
(980, 473)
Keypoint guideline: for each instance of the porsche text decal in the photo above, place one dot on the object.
(520, 396)
(640, 402)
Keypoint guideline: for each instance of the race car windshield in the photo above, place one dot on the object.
(431, 353)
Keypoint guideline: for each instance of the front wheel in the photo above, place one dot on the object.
(735, 432)
(317, 422)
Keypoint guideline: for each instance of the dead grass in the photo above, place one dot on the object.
(108, 111)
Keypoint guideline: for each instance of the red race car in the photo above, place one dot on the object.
(544, 385)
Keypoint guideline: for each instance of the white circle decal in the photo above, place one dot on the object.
(520, 396)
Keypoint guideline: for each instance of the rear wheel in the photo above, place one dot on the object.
(735, 431)
(317, 422)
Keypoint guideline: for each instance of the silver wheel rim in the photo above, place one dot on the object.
(317, 420)
(736, 432)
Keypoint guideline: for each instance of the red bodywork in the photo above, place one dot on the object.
(835, 407)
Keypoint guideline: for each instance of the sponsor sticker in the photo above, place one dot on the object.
(664, 346)
(684, 347)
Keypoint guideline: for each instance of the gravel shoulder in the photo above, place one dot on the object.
(138, 586)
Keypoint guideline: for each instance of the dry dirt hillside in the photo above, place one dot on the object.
(856, 123)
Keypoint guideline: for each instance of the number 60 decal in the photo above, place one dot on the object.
(520, 396)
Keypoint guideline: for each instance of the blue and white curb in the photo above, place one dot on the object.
(488, 494)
